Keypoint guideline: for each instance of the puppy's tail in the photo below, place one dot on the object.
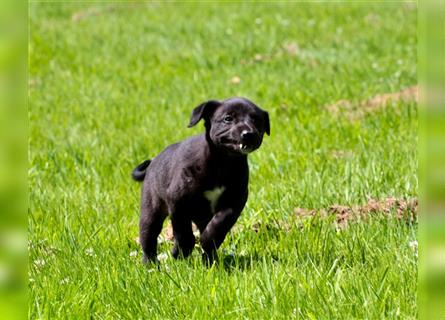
(138, 173)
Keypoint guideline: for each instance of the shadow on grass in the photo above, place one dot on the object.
(232, 262)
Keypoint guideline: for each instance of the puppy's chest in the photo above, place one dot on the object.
(213, 196)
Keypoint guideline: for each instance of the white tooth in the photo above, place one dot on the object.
(241, 146)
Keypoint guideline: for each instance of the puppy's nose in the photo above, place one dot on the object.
(247, 136)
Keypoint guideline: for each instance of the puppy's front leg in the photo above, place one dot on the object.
(216, 231)
(183, 233)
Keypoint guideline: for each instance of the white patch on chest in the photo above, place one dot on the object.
(213, 196)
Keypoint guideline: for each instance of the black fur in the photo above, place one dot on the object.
(138, 173)
(180, 180)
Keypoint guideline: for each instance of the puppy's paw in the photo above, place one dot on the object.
(184, 250)
(175, 251)
(149, 260)
(209, 259)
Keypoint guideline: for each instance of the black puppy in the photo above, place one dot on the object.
(202, 179)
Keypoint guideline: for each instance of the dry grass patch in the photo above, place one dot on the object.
(356, 110)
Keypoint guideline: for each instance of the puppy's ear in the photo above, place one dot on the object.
(203, 111)
(266, 123)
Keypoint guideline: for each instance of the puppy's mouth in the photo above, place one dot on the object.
(236, 146)
(244, 148)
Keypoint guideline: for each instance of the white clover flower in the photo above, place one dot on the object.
(90, 252)
(133, 254)
(413, 244)
(162, 257)
(39, 263)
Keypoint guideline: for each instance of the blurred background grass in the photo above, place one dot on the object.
(432, 160)
(13, 124)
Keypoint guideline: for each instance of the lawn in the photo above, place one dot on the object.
(111, 85)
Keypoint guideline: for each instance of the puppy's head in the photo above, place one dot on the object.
(236, 125)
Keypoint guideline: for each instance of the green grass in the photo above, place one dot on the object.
(117, 86)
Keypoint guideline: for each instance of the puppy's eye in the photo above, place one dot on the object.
(228, 119)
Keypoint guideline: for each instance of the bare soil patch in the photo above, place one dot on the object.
(399, 208)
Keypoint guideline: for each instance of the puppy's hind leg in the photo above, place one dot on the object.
(150, 226)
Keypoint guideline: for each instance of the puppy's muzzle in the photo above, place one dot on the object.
(249, 140)
(248, 137)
